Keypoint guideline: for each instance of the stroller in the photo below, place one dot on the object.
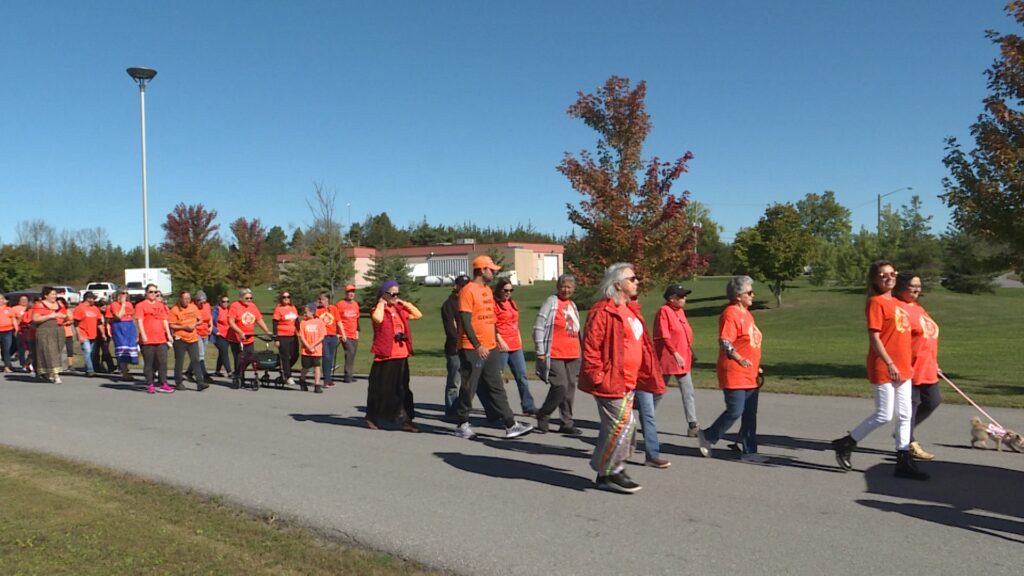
(266, 360)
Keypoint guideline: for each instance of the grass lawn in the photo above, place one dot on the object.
(815, 344)
(60, 517)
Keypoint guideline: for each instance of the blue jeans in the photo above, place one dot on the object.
(451, 385)
(330, 349)
(738, 404)
(87, 352)
(7, 347)
(645, 403)
(516, 361)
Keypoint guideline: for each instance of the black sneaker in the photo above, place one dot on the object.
(618, 482)
(318, 389)
(179, 387)
(302, 386)
(236, 383)
(203, 386)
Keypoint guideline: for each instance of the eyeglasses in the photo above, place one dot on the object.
(223, 301)
(748, 293)
(286, 297)
(632, 279)
(887, 274)
(247, 298)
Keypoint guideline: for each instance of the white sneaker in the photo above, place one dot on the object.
(517, 430)
(464, 431)
(704, 445)
(290, 381)
(754, 458)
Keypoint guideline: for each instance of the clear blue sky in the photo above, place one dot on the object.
(455, 110)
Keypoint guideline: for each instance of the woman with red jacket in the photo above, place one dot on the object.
(388, 394)
(618, 358)
(738, 369)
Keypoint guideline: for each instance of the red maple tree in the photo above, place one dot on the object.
(629, 213)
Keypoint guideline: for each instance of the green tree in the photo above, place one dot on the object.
(828, 224)
(985, 188)
(628, 213)
(969, 262)
(382, 269)
(323, 263)
(920, 250)
(779, 251)
(709, 241)
(298, 241)
(16, 269)
(379, 232)
(276, 242)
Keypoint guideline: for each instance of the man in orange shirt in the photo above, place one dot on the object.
(87, 317)
(329, 314)
(478, 357)
(184, 320)
(348, 311)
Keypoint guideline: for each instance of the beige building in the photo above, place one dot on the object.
(524, 262)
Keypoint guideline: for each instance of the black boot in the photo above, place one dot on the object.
(844, 449)
(906, 468)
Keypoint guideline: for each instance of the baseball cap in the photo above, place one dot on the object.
(461, 280)
(481, 262)
(350, 288)
(676, 290)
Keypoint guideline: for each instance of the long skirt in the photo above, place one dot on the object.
(126, 342)
(388, 394)
(49, 345)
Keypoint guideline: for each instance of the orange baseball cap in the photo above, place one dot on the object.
(350, 288)
(482, 262)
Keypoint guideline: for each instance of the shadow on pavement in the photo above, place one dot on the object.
(514, 470)
(523, 446)
(360, 422)
(954, 497)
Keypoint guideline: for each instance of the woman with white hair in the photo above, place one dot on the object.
(557, 338)
(617, 356)
(738, 368)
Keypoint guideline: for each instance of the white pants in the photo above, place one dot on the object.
(888, 397)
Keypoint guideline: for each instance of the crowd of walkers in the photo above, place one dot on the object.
(614, 357)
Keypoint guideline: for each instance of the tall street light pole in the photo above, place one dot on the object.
(878, 227)
(142, 76)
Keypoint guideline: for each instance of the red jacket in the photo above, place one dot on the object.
(384, 334)
(672, 333)
(601, 373)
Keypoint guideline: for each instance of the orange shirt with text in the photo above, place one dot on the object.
(329, 315)
(189, 315)
(924, 344)
(286, 315)
(478, 300)
(310, 331)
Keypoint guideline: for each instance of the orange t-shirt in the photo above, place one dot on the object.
(223, 328)
(507, 319)
(632, 345)
(246, 316)
(285, 316)
(129, 311)
(310, 331)
(565, 333)
(737, 326)
(329, 315)
(924, 344)
(893, 326)
(7, 316)
(88, 317)
(478, 300)
(184, 316)
(153, 315)
(205, 319)
(349, 313)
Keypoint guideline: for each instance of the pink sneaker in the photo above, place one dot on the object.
(151, 389)
(165, 388)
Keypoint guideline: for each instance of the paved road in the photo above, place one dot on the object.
(528, 506)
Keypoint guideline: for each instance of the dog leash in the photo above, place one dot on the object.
(968, 398)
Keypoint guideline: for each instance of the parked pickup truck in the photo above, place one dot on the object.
(103, 290)
(69, 294)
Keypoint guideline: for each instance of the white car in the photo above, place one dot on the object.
(69, 294)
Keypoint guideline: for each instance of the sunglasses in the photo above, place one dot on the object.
(223, 301)
(632, 279)
(887, 274)
(247, 298)
(748, 293)
(507, 290)
(286, 297)
(152, 291)
(393, 294)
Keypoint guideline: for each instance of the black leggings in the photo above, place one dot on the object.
(223, 355)
(288, 348)
(154, 357)
(243, 355)
(924, 399)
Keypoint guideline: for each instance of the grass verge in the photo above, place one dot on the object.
(61, 517)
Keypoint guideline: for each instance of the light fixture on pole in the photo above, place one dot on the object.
(878, 226)
(142, 76)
